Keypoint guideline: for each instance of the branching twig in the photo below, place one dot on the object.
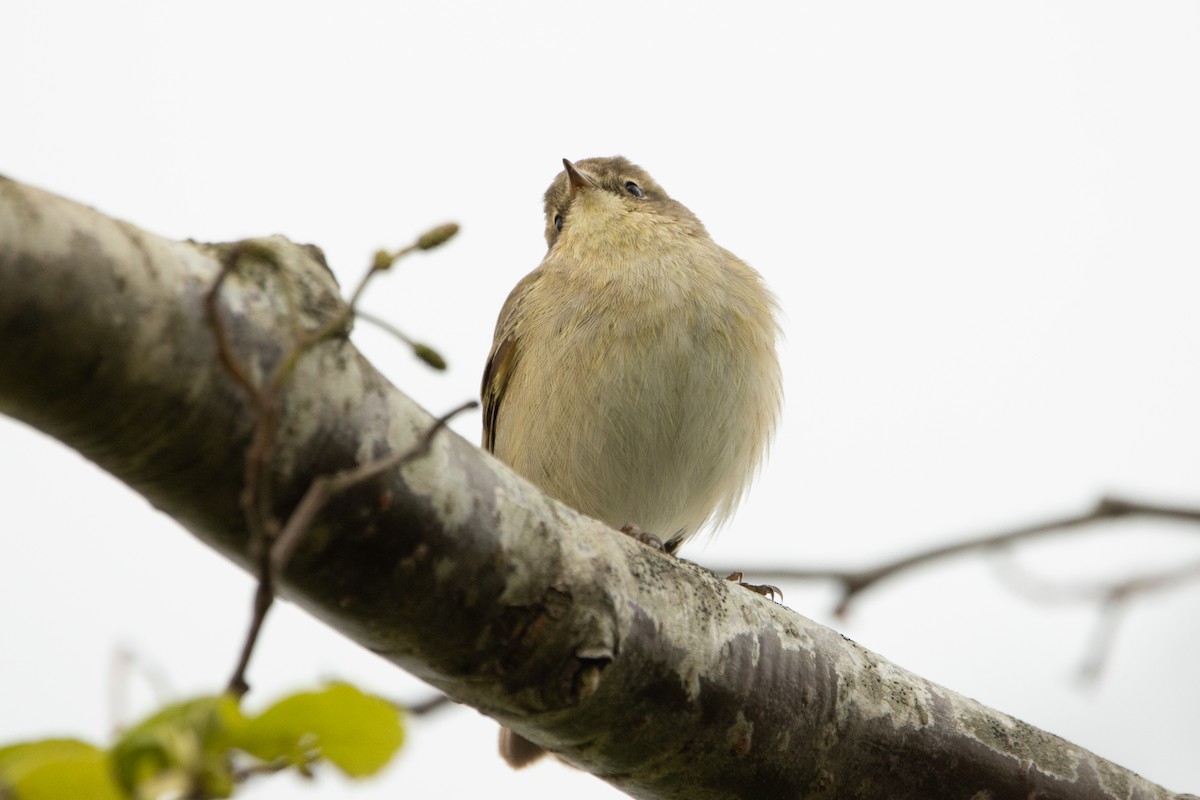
(324, 488)
(1112, 598)
(255, 498)
(273, 541)
(854, 582)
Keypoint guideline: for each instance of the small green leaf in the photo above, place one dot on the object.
(54, 769)
(182, 748)
(357, 732)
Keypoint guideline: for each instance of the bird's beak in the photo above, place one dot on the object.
(577, 179)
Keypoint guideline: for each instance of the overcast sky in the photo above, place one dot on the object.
(981, 221)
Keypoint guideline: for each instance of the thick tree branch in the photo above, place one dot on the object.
(647, 671)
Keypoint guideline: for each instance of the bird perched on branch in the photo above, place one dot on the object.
(633, 374)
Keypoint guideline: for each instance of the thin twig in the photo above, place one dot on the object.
(383, 324)
(854, 582)
(245, 773)
(266, 531)
(264, 596)
(1103, 636)
(428, 706)
(229, 359)
(1111, 597)
(325, 487)
(1044, 591)
(256, 498)
(419, 349)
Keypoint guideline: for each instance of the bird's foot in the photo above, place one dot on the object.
(669, 547)
(631, 529)
(765, 589)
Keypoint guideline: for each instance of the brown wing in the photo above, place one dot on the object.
(503, 359)
(495, 380)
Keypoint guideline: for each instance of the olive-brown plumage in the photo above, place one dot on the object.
(633, 374)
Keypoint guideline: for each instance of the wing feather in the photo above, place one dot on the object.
(504, 359)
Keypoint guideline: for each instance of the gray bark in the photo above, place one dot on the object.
(647, 671)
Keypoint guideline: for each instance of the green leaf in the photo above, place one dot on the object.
(187, 749)
(54, 769)
(182, 748)
(357, 732)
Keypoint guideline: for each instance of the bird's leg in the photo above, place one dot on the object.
(672, 545)
(765, 589)
(631, 529)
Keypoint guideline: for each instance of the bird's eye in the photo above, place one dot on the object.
(634, 189)
(558, 222)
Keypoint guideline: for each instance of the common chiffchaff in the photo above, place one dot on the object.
(633, 374)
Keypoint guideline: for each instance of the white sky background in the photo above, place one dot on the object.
(981, 220)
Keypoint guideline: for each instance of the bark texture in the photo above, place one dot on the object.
(644, 670)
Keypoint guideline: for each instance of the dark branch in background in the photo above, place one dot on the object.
(1112, 596)
(855, 581)
(1112, 599)
(272, 541)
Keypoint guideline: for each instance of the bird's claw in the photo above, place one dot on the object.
(631, 529)
(764, 589)
(670, 546)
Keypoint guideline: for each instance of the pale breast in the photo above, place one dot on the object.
(657, 411)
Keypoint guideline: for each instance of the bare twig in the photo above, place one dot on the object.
(256, 495)
(324, 488)
(1103, 636)
(255, 498)
(420, 349)
(855, 582)
(264, 596)
(245, 773)
(1112, 598)
(267, 532)
(429, 706)
(1045, 591)
(383, 261)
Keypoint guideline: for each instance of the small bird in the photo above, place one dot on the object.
(633, 374)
